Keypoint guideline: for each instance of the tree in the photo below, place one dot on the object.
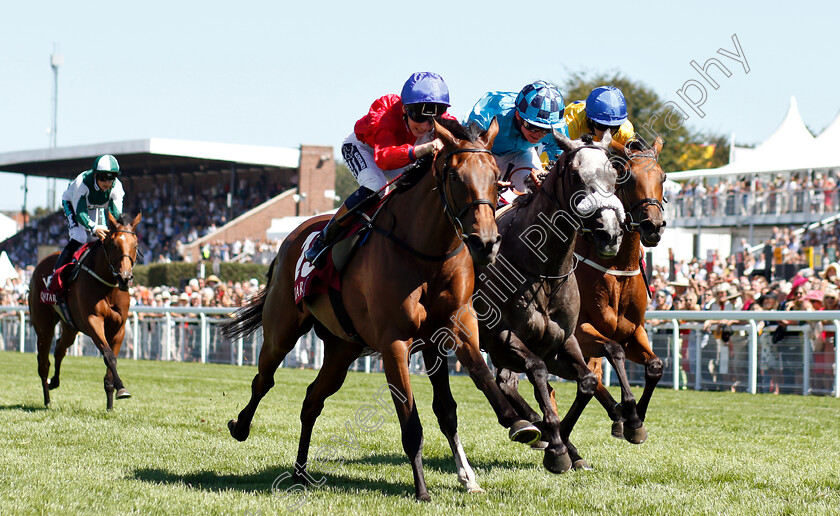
(685, 149)
(345, 183)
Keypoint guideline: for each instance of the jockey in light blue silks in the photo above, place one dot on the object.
(526, 120)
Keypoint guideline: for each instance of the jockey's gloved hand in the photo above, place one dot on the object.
(100, 231)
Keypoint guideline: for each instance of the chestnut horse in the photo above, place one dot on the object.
(614, 294)
(98, 304)
(536, 297)
(407, 288)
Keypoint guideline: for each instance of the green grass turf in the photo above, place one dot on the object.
(167, 450)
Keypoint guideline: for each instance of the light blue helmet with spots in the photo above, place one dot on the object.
(541, 104)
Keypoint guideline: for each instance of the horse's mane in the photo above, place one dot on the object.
(124, 220)
(462, 132)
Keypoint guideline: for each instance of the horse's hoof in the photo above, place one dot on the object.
(424, 497)
(539, 445)
(524, 432)
(617, 430)
(557, 462)
(635, 435)
(123, 394)
(581, 465)
(475, 489)
(53, 383)
(237, 435)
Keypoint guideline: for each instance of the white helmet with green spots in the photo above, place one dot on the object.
(106, 166)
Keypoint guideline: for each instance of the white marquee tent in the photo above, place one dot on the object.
(791, 147)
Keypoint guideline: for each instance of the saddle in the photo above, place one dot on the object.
(54, 292)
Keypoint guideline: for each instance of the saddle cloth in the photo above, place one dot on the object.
(51, 293)
(309, 280)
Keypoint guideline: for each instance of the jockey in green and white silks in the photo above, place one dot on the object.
(85, 201)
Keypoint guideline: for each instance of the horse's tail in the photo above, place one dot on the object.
(247, 319)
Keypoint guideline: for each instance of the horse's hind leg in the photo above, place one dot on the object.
(65, 340)
(445, 409)
(338, 355)
(280, 334)
(45, 333)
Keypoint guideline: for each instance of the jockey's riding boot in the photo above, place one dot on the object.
(63, 258)
(360, 200)
(327, 236)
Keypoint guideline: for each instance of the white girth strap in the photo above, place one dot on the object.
(611, 272)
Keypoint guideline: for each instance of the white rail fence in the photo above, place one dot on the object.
(801, 362)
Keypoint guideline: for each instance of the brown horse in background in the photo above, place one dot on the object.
(98, 303)
(407, 289)
(614, 294)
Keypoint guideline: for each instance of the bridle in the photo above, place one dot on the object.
(565, 175)
(121, 283)
(631, 223)
(444, 181)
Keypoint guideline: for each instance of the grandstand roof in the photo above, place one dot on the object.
(791, 147)
(153, 155)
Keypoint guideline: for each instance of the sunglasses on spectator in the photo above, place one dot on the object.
(106, 177)
(533, 128)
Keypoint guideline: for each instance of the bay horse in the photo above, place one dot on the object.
(535, 293)
(614, 293)
(97, 302)
(407, 289)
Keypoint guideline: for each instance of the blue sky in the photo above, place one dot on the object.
(270, 73)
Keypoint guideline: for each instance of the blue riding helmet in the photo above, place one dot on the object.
(606, 105)
(540, 104)
(428, 90)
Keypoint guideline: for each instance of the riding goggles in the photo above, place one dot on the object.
(534, 128)
(601, 127)
(423, 112)
(106, 177)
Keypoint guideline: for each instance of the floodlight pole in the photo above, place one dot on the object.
(56, 60)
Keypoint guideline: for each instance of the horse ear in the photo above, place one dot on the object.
(443, 133)
(112, 222)
(618, 148)
(605, 140)
(658, 144)
(136, 221)
(563, 141)
(490, 134)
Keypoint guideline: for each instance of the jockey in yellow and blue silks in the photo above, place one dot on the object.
(85, 201)
(604, 108)
(526, 120)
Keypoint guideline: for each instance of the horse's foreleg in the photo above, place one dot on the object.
(639, 351)
(395, 362)
(468, 354)
(338, 355)
(634, 430)
(66, 339)
(96, 332)
(508, 382)
(569, 364)
(606, 400)
(445, 409)
(122, 392)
